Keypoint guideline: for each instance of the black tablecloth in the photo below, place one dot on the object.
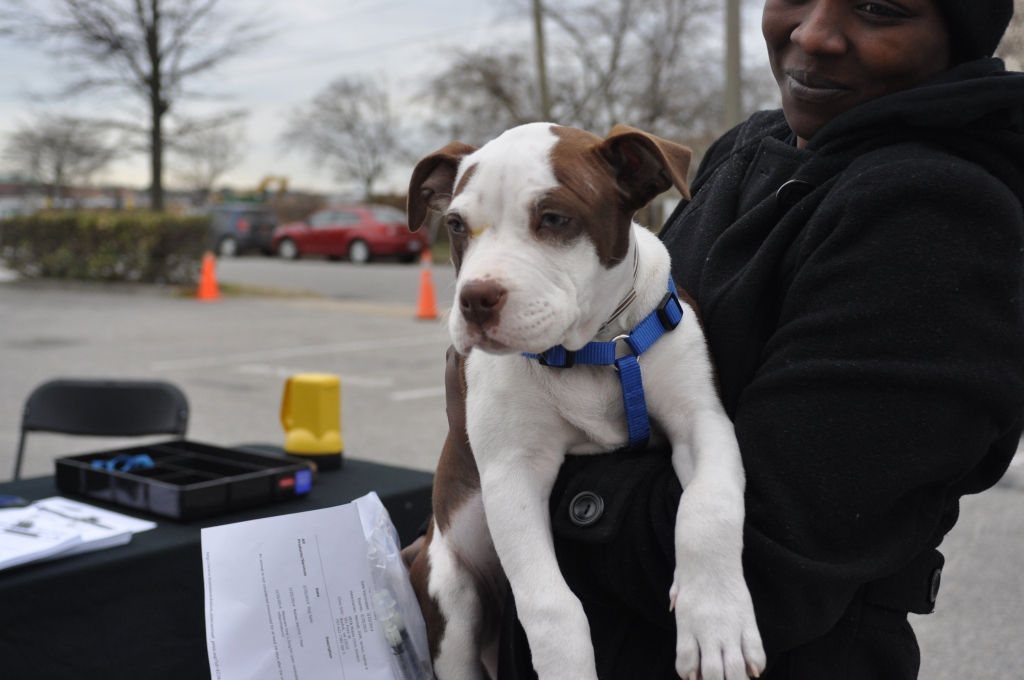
(136, 611)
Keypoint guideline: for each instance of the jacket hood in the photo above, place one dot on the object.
(960, 97)
(975, 109)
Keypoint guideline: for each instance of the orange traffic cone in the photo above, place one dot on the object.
(208, 291)
(427, 308)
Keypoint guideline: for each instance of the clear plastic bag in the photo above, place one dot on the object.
(394, 601)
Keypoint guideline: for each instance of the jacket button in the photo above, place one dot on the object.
(792, 192)
(586, 508)
(933, 588)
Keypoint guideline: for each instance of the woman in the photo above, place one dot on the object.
(858, 261)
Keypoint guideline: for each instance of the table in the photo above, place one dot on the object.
(137, 611)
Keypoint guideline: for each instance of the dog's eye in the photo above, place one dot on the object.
(456, 226)
(553, 221)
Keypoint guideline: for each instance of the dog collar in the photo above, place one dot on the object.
(662, 320)
(630, 296)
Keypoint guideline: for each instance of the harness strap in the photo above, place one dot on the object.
(663, 319)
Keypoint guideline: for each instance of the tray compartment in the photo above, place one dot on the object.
(189, 479)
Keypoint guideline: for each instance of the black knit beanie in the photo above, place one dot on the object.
(975, 26)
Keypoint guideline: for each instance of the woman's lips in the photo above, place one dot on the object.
(812, 88)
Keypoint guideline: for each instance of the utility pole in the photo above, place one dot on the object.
(542, 70)
(733, 72)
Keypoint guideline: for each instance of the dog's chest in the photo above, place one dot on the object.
(587, 399)
(590, 399)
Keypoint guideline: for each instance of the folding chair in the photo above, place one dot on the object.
(103, 408)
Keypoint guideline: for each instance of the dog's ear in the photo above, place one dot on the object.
(433, 182)
(644, 165)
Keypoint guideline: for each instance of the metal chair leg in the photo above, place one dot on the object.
(21, 451)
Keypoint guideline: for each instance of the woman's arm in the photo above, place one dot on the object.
(894, 382)
(896, 367)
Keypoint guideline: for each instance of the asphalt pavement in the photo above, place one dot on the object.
(231, 358)
(389, 284)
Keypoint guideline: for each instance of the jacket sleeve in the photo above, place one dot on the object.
(892, 384)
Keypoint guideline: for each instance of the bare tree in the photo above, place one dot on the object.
(483, 93)
(201, 158)
(349, 127)
(1011, 49)
(150, 49)
(641, 62)
(60, 151)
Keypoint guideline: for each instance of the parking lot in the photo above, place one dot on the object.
(231, 358)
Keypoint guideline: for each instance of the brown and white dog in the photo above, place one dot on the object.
(545, 251)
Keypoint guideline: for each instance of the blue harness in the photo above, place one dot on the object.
(663, 319)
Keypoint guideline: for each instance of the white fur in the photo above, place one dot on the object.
(467, 582)
(555, 294)
(522, 418)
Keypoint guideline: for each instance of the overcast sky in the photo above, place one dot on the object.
(314, 41)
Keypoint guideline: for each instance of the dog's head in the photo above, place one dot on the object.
(539, 221)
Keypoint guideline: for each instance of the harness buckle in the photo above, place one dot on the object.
(570, 360)
(670, 314)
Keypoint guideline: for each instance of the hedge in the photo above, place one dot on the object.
(106, 246)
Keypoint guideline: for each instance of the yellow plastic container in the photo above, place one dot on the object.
(311, 417)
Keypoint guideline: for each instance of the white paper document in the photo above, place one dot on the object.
(57, 527)
(98, 528)
(22, 540)
(295, 597)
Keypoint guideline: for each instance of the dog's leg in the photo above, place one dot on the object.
(716, 630)
(516, 489)
(466, 585)
(717, 634)
(456, 575)
(460, 588)
(519, 442)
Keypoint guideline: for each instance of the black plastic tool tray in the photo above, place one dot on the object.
(189, 480)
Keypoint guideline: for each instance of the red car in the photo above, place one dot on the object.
(358, 232)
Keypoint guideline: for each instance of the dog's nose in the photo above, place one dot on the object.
(481, 301)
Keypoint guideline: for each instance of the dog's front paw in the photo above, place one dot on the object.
(716, 633)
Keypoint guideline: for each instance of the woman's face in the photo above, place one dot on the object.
(828, 56)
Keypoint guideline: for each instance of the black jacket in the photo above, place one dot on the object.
(862, 298)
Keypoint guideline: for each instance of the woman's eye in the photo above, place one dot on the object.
(879, 9)
(456, 226)
(553, 221)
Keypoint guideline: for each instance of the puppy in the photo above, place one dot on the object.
(547, 256)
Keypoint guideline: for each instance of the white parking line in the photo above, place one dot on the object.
(291, 352)
(421, 393)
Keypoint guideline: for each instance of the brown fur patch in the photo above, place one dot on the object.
(433, 181)
(419, 575)
(458, 242)
(455, 482)
(645, 165)
(588, 195)
(466, 176)
(603, 182)
(457, 478)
